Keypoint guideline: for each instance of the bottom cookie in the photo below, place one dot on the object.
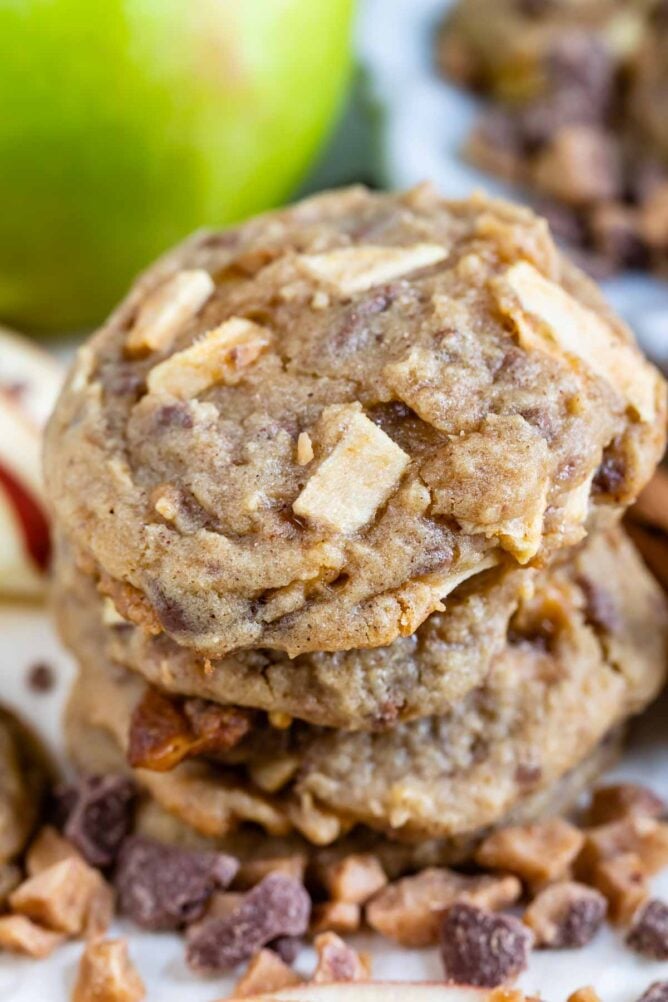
(564, 681)
(23, 779)
(166, 819)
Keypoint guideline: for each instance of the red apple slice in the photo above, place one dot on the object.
(29, 383)
(376, 991)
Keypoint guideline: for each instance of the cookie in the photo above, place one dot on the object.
(565, 679)
(649, 88)
(23, 778)
(507, 47)
(170, 818)
(425, 673)
(303, 434)
(421, 675)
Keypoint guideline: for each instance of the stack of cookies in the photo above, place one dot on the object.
(336, 498)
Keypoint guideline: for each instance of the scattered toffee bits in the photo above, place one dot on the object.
(649, 932)
(166, 887)
(277, 907)
(96, 815)
(41, 678)
(482, 948)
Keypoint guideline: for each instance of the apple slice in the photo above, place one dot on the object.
(29, 376)
(377, 991)
(29, 384)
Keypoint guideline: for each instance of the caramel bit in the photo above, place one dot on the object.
(167, 310)
(47, 848)
(273, 774)
(549, 319)
(266, 972)
(106, 974)
(164, 731)
(644, 836)
(586, 994)
(565, 915)
(10, 878)
(410, 909)
(304, 449)
(69, 897)
(537, 853)
(253, 871)
(350, 270)
(342, 917)
(339, 962)
(19, 934)
(354, 878)
(130, 604)
(220, 356)
(353, 481)
(621, 800)
(623, 882)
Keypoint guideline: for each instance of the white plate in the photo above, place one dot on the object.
(619, 976)
(425, 121)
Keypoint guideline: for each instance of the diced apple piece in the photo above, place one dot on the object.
(218, 357)
(354, 480)
(548, 319)
(167, 309)
(355, 269)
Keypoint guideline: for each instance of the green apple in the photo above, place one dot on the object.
(125, 124)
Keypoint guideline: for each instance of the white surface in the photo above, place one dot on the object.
(425, 121)
(619, 976)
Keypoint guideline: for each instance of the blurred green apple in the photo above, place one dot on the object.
(124, 124)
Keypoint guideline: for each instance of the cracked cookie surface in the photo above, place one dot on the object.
(304, 433)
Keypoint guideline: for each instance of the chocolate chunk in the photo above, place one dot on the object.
(657, 992)
(277, 907)
(41, 677)
(649, 933)
(482, 948)
(580, 74)
(174, 416)
(96, 814)
(287, 948)
(600, 610)
(166, 887)
(610, 475)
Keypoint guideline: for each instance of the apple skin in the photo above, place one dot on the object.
(126, 124)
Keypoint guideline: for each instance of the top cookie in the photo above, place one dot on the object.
(303, 433)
